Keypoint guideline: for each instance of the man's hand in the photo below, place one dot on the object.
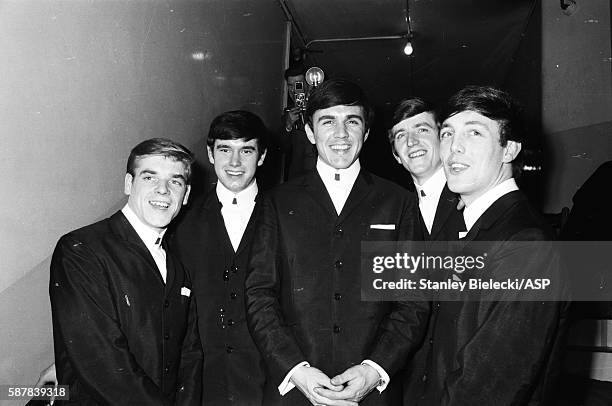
(308, 380)
(359, 380)
(292, 116)
(47, 375)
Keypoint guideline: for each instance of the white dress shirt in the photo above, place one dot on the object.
(472, 213)
(429, 195)
(151, 238)
(338, 183)
(236, 210)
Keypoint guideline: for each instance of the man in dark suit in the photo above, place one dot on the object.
(303, 289)
(124, 325)
(503, 351)
(213, 240)
(415, 145)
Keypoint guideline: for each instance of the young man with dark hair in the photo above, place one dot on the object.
(415, 145)
(123, 327)
(303, 290)
(213, 240)
(484, 351)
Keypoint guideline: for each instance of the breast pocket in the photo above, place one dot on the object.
(381, 232)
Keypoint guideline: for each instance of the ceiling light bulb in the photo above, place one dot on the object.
(408, 48)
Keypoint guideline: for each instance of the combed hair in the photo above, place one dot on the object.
(163, 147)
(238, 125)
(409, 108)
(336, 92)
(494, 104)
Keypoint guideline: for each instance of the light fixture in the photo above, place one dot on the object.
(408, 49)
(314, 76)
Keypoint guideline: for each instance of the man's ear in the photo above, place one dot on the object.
(365, 136)
(511, 150)
(262, 157)
(309, 134)
(211, 157)
(127, 184)
(397, 158)
(186, 198)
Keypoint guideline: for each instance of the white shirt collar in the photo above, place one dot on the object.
(340, 189)
(147, 234)
(245, 196)
(434, 185)
(472, 213)
(347, 176)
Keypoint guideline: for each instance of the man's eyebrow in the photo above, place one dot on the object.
(248, 147)
(222, 146)
(326, 117)
(350, 116)
(148, 171)
(425, 124)
(179, 175)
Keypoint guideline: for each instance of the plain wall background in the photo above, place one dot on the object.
(81, 83)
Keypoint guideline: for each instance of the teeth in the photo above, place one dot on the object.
(232, 173)
(342, 147)
(162, 205)
(457, 166)
(417, 154)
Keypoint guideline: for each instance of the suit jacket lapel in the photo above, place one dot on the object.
(446, 205)
(124, 230)
(360, 190)
(317, 191)
(246, 236)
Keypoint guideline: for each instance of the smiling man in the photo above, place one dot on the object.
(213, 240)
(486, 352)
(416, 146)
(123, 328)
(320, 342)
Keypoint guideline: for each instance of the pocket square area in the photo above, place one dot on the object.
(383, 226)
(185, 291)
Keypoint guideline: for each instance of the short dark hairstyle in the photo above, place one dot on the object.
(409, 108)
(295, 70)
(494, 104)
(163, 147)
(238, 125)
(336, 92)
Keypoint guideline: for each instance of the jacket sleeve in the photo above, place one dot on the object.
(88, 339)
(514, 340)
(190, 376)
(401, 332)
(270, 332)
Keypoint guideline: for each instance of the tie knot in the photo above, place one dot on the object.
(422, 193)
(158, 241)
(336, 176)
(234, 201)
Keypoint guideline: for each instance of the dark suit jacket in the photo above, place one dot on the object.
(448, 221)
(495, 352)
(303, 289)
(233, 371)
(122, 336)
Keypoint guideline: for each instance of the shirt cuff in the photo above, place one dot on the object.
(286, 385)
(384, 377)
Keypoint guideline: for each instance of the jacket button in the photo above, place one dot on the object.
(230, 322)
(337, 296)
(424, 377)
(229, 349)
(166, 303)
(166, 370)
(336, 328)
(338, 265)
(226, 275)
(339, 231)
(233, 295)
(431, 341)
(234, 269)
(166, 336)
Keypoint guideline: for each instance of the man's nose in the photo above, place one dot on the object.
(162, 188)
(341, 131)
(235, 158)
(412, 140)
